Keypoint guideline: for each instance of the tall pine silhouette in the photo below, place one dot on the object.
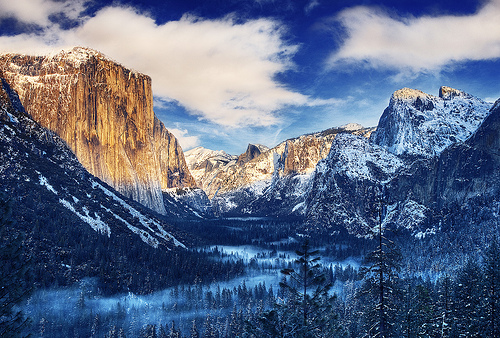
(380, 280)
(306, 308)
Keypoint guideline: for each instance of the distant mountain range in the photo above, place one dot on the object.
(80, 142)
(413, 135)
(432, 160)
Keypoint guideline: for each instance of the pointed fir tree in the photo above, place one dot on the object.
(408, 325)
(468, 298)
(445, 303)
(14, 275)
(492, 289)
(209, 330)
(194, 330)
(163, 331)
(307, 308)
(380, 289)
(174, 332)
(424, 312)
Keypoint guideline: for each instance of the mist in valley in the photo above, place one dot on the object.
(84, 310)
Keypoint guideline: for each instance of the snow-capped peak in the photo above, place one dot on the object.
(199, 155)
(76, 55)
(419, 124)
(448, 93)
(351, 127)
(261, 147)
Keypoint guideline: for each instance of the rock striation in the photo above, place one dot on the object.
(104, 112)
(219, 173)
(434, 161)
(47, 180)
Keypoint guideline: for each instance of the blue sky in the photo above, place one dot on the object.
(229, 73)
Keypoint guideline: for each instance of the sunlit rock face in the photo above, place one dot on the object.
(253, 151)
(218, 173)
(274, 182)
(104, 112)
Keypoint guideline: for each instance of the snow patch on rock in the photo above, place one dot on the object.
(45, 182)
(148, 223)
(419, 124)
(356, 157)
(95, 222)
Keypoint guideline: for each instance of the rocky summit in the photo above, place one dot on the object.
(423, 125)
(104, 112)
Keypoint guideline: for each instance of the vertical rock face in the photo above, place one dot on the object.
(105, 114)
(434, 160)
(273, 183)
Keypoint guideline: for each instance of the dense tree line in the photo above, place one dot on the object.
(15, 275)
(275, 234)
(63, 251)
(384, 298)
(464, 304)
(461, 304)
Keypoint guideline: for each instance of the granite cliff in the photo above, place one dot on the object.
(432, 160)
(219, 173)
(104, 112)
(417, 124)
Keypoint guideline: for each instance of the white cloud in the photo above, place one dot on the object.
(38, 11)
(491, 99)
(187, 142)
(311, 5)
(220, 70)
(420, 44)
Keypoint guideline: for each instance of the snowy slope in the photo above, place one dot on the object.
(345, 184)
(205, 164)
(276, 182)
(358, 158)
(422, 159)
(36, 162)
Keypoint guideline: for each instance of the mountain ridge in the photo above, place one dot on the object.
(75, 225)
(426, 190)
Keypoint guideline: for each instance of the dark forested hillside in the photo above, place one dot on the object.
(76, 226)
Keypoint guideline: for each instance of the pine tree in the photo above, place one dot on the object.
(14, 270)
(492, 290)
(408, 326)
(380, 287)
(236, 323)
(468, 295)
(194, 330)
(307, 309)
(209, 330)
(444, 306)
(174, 332)
(424, 312)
